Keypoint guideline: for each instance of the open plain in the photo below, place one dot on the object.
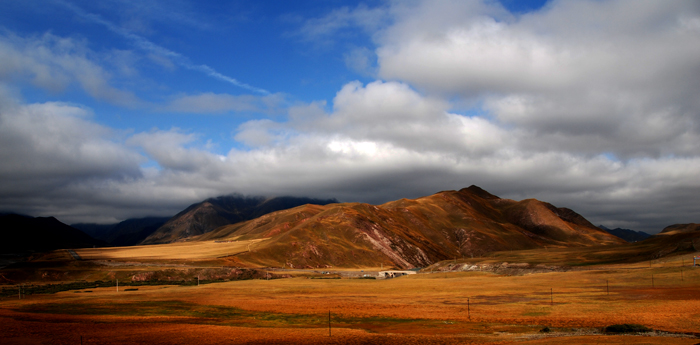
(438, 307)
(171, 251)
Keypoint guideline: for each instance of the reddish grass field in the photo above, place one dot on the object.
(440, 308)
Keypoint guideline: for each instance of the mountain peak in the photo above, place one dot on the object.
(409, 233)
(212, 213)
(478, 191)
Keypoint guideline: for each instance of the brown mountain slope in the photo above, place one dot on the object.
(409, 233)
(680, 229)
(212, 213)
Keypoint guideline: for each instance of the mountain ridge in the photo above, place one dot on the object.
(205, 216)
(680, 228)
(409, 233)
(27, 234)
(627, 234)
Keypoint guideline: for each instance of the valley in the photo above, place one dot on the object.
(484, 270)
(442, 307)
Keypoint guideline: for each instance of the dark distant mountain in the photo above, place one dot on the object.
(132, 231)
(127, 233)
(627, 234)
(97, 231)
(23, 234)
(212, 213)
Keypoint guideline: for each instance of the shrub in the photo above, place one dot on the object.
(627, 328)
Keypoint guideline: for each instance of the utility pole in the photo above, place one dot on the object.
(117, 285)
(551, 296)
(469, 313)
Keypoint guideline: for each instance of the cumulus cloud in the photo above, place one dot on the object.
(55, 63)
(58, 162)
(573, 79)
(58, 139)
(47, 147)
(385, 112)
(168, 149)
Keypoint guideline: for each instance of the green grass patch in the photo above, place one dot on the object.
(537, 312)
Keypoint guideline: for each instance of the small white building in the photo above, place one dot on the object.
(394, 274)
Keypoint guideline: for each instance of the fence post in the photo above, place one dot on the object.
(469, 313)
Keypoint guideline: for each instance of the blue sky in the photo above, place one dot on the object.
(121, 108)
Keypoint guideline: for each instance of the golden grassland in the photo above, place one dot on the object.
(635, 255)
(437, 308)
(171, 251)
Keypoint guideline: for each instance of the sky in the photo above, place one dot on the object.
(118, 109)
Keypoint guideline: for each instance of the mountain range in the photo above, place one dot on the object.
(21, 233)
(196, 219)
(627, 234)
(127, 233)
(212, 213)
(302, 232)
(408, 233)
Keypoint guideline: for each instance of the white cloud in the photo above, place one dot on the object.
(389, 113)
(325, 29)
(361, 60)
(54, 63)
(209, 102)
(168, 149)
(582, 76)
(49, 147)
